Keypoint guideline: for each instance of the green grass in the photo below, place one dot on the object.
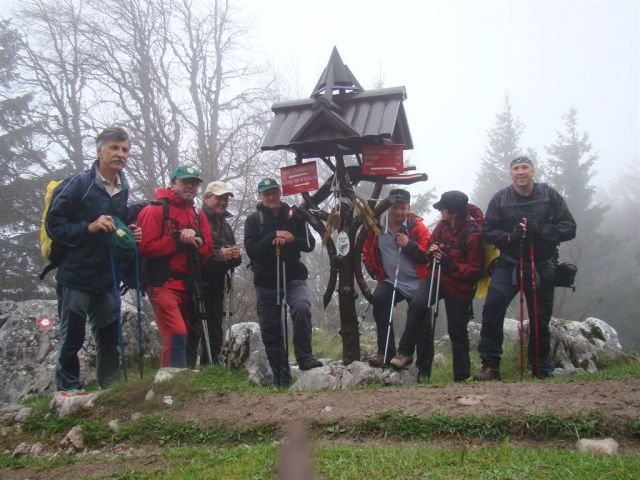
(338, 462)
(398, 424)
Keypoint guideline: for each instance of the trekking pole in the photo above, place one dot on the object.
(393, 300)
(139, 310)
(198, 300)
(433, 272)
(521, 309)
(118, 306)
(535, 305)
(278, 303)
(229, 290)
(435, 309)
(284, 300)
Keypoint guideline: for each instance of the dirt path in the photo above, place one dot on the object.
(615, 400)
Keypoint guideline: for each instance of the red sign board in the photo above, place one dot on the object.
(299, 178)
(44, 323)
(382, 159)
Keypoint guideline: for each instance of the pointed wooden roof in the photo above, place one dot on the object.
(339, 116)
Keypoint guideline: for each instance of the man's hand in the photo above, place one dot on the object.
(519, 232)
(188, 236)
(136, 231)
(436, 252)
(104, 223)
(402, 239)
(285, 235)
(279, 242)
(236, 252)
(230, 253)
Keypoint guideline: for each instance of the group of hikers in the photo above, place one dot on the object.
(185, 248)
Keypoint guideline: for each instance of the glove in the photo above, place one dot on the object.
(516, 235)
(533, 228)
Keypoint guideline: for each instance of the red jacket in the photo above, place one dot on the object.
(462, 244)
(159, 237)
(416, 249)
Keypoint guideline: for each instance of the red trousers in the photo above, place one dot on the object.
(173, 315)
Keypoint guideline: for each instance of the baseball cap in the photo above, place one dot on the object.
(184, 172)
(454, 201)
(267, 184)
(399, 195)
(217, 188)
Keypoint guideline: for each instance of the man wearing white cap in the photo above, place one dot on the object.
(216, 273)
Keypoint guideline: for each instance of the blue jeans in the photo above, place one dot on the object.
(503, 287)
(271, 328)
(76, 307)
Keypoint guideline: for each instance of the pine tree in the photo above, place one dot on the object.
(504, 146)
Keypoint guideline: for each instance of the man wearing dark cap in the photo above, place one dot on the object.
(519, 216)
(274, 236)
(82, 217)
(402, 248)
(176, 237)
(456, 247)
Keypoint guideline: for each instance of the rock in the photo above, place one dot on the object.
(604, 447)
(470, 400)
(135, 416)
(22, 414)
(114, 426)
(243, 349)
(68, 403)
(36, 449)
(4, 431)
(73, 441)
(165, 374)
(149, 396)
(21, 450)
(439, 360)
(30, 354)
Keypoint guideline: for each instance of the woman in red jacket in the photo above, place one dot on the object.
(457, 245)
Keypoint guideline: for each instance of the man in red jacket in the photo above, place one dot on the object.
(457, 246)
(402, 248)
(176, 239)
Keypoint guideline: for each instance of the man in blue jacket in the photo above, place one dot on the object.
(81, 217)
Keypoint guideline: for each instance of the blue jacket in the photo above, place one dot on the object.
(80, 201)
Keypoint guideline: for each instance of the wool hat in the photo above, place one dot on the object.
(521, 159)
(184, 172)
(217, 188)
(453, 201)
(267, 184)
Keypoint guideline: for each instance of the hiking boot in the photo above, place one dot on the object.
(309, 363)
(377, 360)
(488, 374)
(400, 361)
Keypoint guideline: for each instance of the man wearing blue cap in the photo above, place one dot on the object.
(535, 214)
(274, 237)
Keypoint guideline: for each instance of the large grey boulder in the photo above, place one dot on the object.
(243, 349)
(27, 354)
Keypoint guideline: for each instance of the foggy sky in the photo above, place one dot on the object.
(459, 59)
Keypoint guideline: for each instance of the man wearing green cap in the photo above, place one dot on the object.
(176, 237)
(82, 217)
(274, 238)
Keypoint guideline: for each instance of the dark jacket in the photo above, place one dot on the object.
(160, 238)
(216, 267)
(462, 244)
(416, 249)
(83, 199)
(260, 230)
(544, 206)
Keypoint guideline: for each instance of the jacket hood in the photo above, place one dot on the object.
(476, 214)
(170, 194)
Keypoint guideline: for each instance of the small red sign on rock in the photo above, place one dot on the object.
(382, 159)
(44, 323)
(299, 178)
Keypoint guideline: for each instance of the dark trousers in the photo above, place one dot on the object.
(503, 287)
(271, 327)
(418, 333)
(381, 313)
(76, 307)
(214, 306)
